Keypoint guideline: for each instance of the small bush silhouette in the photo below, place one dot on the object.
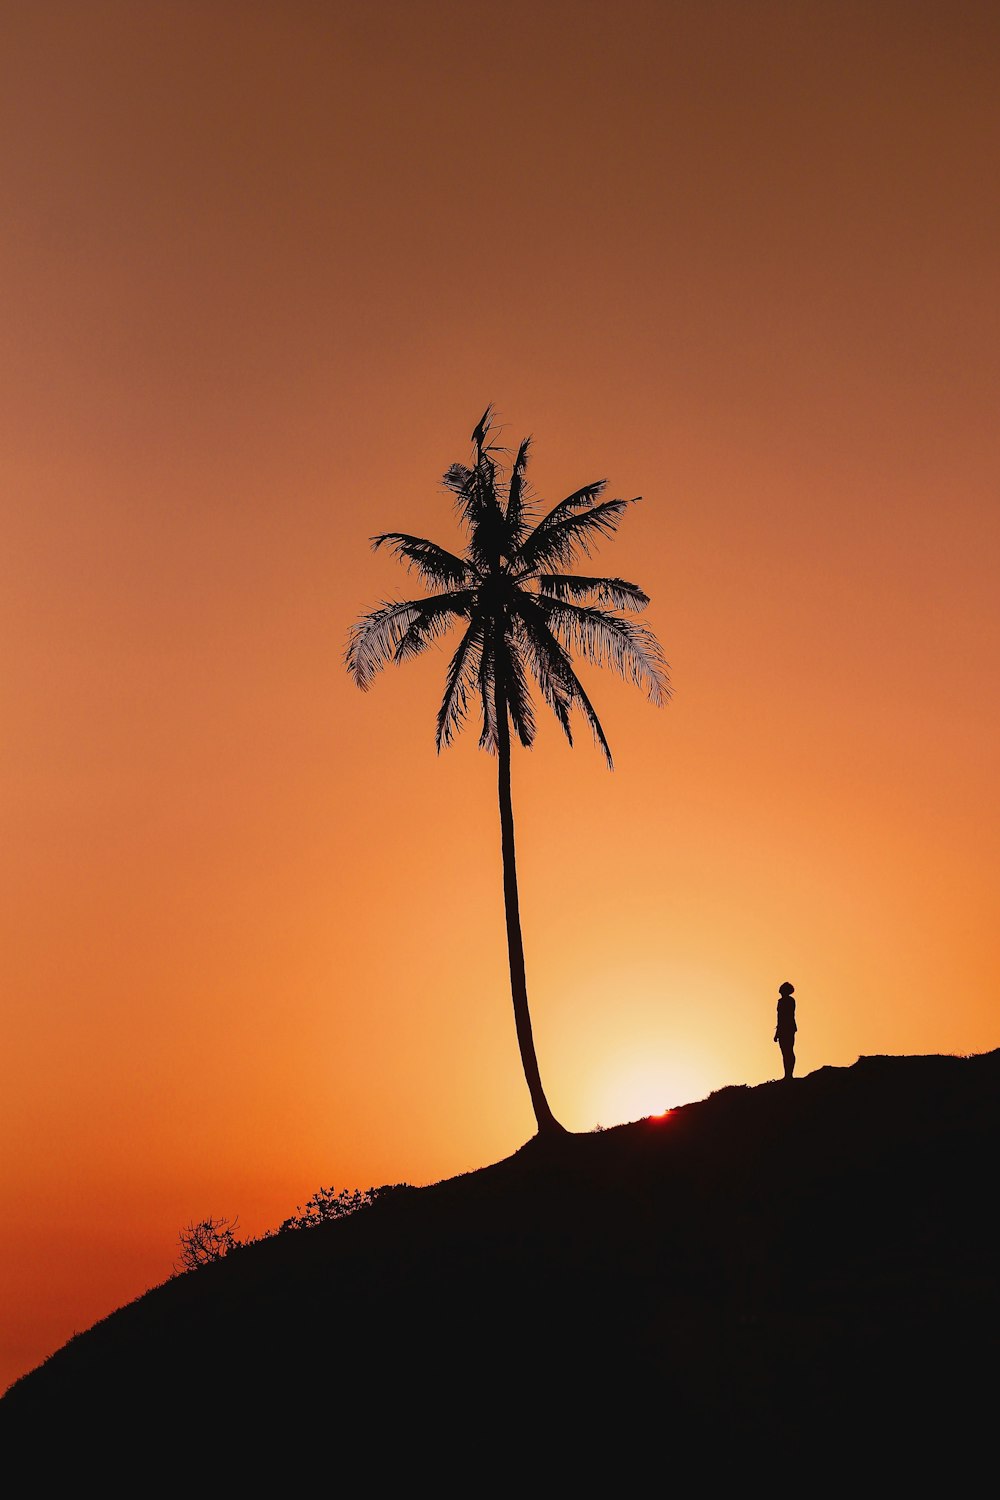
(327, 1204)
(208, 1240)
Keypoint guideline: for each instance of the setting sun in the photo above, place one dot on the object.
(635, 1090)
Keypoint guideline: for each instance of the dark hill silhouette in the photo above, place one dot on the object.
(775, 1276)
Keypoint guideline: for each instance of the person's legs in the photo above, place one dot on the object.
(788, 1055)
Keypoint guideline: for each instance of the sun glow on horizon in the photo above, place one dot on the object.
(648, 1088)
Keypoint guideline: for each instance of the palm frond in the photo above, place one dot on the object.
(376, 638)
(579, 696)
(433, 618)
(561, 542)
(548, 661)
(608, 640)
(557, 678)
(481, 428)
(516, 496)
(435, 565)
(581, 499)
(613, 591)
(372, 641)
(515, 691)
(463, 673)
(456, 478)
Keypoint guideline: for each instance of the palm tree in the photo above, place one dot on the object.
(518, 616)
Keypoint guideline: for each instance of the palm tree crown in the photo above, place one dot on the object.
(520, 616)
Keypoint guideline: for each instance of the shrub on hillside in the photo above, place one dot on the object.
(208, 1240)
(327, 1204)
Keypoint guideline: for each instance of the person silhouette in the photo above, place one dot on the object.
(784, 1032)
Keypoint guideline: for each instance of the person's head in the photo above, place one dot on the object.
(786, 989)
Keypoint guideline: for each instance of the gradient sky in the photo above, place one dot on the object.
(263, 265)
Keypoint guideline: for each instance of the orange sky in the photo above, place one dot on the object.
(263, 265)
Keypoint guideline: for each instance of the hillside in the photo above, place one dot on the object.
(789, 1270)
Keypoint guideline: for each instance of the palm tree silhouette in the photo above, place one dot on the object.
(519, 616)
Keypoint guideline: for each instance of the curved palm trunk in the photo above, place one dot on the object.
(547, 1122)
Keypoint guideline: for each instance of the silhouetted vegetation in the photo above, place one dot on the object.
(206, 1241)
(327, 1204)
(522, 615)
(213, 1239)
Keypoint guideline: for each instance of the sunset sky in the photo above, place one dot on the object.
(263, 265)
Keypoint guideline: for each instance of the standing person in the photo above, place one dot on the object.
(784, 1032)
